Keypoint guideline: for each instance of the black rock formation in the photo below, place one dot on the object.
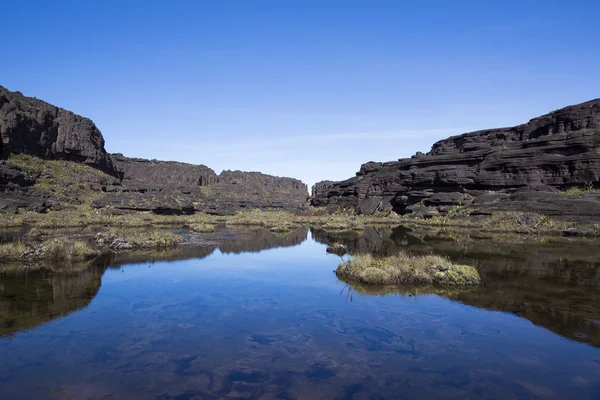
(174, 188)
(34, 127)
(141, 172)
(559, 150)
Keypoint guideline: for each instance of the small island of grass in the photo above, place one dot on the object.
(405, 268)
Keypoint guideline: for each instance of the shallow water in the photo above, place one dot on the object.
(230, 320)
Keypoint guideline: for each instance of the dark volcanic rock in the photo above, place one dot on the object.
(556, 151)
(34, 127)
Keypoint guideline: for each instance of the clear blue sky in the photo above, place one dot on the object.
(301, 88)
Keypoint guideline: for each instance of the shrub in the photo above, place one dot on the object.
(202, 228)
(11, 251)
(64, 249)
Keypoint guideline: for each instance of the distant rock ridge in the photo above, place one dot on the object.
(173, 187)
(139, 171)
(558, 150)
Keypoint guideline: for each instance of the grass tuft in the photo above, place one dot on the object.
(405, 268)
(11, 251)
(63, 249)
(201, 227)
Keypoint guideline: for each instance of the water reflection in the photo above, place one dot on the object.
(556, 286)
(203, 322)
(29, 298)
(33, 294)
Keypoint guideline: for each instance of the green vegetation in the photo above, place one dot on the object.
(64, 179)
(64, 249)
(498, 222)
(154, 239)
(84, 215)
(588, 188)
(140, 239)
(58, 249)
(407, 269)
(11, 251)
(283, 228)
(201, 227)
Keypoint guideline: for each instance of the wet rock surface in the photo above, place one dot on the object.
(518, 168)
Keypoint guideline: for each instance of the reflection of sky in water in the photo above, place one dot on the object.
(275, 325)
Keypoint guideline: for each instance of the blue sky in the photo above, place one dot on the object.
(301, 88)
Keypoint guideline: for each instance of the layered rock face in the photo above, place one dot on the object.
(31, 127)
(141, 172)
(34, 127)
(556, 151)
(174, 188)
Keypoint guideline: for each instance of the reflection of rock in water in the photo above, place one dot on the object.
(253, 240)
(225, 239)
(570, 314)
(556, 286)
(30, 298)
(115, 260)
(337, 248)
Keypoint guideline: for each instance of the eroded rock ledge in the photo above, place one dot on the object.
(31, 127)
(34, 127)
(173, 187)
(519, 168)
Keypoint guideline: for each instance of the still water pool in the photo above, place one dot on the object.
(234, 321)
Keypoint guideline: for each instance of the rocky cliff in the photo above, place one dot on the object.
(70, 167)
(141, 172)
(34, 127)
(173, 188)
(559, 150)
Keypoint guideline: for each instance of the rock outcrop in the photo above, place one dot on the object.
(505, 167)
(141, 172)
(61, 141)
(174, 188)
(34, 127)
